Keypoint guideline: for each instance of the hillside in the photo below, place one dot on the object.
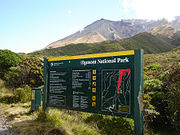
(167, 33)
(103, 29)
(146, 41)
(161, 101)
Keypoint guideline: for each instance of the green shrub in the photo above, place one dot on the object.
(8, 59)
(162, 121)
(111, 125)
(41, 115)
(23, 94)
(93, 118)
(28, 71)
(12, 76)
(147, 102)
(8, 99)
(173, 94)
(152, 85)
(50, 117)
(153, 66)
(146, 77)
(164, 76)
(79, 130)
(115, 126)
(19, 95)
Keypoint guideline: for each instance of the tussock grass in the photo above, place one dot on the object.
(68, 122)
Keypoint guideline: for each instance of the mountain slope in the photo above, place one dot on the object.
(89, 37)
(146, 41)
(167, 33)
(103, 29)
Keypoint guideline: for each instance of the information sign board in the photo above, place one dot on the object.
(106, 83)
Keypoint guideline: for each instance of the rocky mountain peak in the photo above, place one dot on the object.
(165, 29)
(104, 29)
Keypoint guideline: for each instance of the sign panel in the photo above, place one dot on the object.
(105, 83)
(97, 83)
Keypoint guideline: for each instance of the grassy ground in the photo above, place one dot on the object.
(26, 124)
(72, 122)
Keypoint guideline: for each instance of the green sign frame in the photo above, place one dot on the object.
(104, 83)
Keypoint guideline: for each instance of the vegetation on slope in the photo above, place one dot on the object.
(161, 98)
(146, 41)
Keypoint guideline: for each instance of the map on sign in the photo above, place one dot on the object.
(116, 87)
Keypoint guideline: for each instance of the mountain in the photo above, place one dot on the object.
(167, 33)
(176, 22)
(145, 40)
(103, 29)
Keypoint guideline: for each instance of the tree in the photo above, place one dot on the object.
(8, 59)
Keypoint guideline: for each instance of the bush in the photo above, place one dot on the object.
(146, 77)
(173, 98)
(161, 121)
(8, 59)
(93, 118)
(111, 125)
(152, 85)
(12, 76)
(23, 94)
(27, 72)
(79, 130)
(51, 117)
(31, 71)
(8, 99)
(115, 126)
(153, 66)
(41, 115)
(164, 76)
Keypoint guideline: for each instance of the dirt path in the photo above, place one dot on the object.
(5, 128)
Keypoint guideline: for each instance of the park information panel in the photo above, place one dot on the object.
(105, 83)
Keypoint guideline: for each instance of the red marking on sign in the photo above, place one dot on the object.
(122, 72)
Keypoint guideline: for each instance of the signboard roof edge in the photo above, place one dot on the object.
(97, 55)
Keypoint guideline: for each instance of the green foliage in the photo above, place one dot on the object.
(93, 118)
(153, 66)
(31, 71)
(110, 125)
(19, 95)
(12, 76)
(147, 102)
(8, 59)
(173, 86)
(146, 77)
(162, 120)
(51, 117)
(146, 41)
(152, 85)
(115, 126)
(23, 94)
(41, 115)
(8, 99)
(164, 76)
(78, 130)
(27, 72)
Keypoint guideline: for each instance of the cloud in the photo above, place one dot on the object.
(69, 12)
(153, 9)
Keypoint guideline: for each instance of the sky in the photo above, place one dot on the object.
(30, 25)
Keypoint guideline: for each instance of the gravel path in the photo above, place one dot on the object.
(5, 128)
